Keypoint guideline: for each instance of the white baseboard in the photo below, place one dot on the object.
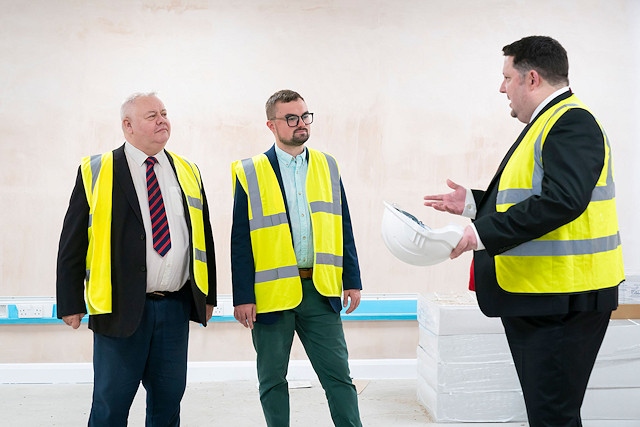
(73, 373)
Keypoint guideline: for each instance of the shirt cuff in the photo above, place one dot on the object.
(480, 244)
(469, 210)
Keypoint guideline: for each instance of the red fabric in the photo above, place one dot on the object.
(472, 281)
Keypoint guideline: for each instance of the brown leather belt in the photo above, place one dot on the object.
(306, 273)
(161, 294)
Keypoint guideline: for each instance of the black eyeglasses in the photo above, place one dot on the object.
(293, 120)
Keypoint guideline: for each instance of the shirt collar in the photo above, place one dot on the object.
(287, 159)
(547, 100)
(140, 157)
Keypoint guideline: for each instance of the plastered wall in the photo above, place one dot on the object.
(405, 95)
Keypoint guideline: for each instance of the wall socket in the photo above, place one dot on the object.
(30, 311)
(224, 308)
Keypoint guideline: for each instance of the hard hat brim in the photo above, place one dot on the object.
(409, 240)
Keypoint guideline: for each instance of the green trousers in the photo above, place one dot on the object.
(320, 330)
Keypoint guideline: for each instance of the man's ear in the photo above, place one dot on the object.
(533, 79)
(126, 126)
(271, 126)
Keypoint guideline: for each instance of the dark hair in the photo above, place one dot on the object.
(543, 54)
(285, 96)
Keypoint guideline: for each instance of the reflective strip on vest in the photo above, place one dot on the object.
(277, 283)
(582, 255)
(277, 279)
(329, 259)
(259, 219)
(194, 202)
(97, 177)
(97, 174)
(515, 195)
(191, 184)
(277, 273)
(566, 247)
(95, 163)
(334, 207)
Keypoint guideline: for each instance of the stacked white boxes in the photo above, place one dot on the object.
(466, 373)
(465, 370)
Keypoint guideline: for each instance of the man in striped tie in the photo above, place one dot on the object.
(136, 253)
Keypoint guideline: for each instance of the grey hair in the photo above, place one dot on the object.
(131, 100)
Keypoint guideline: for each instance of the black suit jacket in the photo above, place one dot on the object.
(128, 257)
(573, 157)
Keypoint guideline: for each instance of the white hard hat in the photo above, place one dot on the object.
(413, 242)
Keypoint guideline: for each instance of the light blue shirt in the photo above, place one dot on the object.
(294, 178)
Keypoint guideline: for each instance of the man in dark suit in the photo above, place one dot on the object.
(547, 255)
(137, 230)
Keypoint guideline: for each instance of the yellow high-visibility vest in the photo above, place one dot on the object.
(97, 177)
(583, 255)
(277, 279)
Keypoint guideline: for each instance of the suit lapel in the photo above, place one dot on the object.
(122, 179)
(505, 160)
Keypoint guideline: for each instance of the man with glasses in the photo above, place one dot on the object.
(293, 261)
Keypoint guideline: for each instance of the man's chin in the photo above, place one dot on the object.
(299, 141)
(292, 143)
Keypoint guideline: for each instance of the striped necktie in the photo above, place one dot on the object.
(159, 223)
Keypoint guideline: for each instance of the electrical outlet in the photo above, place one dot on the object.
(4, 311)
(218, 311)
(30, 311)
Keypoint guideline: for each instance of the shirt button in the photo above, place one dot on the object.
(143, 268)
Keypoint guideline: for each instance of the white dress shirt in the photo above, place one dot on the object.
(170, 272)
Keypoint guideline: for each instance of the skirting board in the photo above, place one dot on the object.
(73, 373)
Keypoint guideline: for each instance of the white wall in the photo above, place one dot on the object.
(405, 94)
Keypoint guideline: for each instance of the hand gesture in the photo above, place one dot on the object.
(452, 202)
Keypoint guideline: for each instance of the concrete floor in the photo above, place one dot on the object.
(383, 403)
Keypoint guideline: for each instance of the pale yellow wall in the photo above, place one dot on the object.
(405, 94)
